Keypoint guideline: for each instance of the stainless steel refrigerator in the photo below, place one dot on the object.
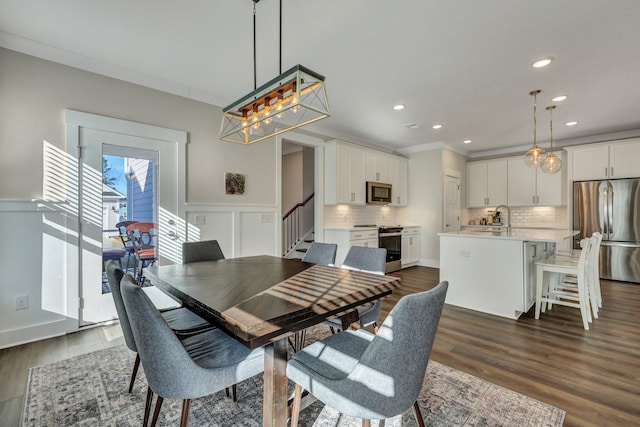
(611, 207)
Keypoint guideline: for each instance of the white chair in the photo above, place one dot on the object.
(563, 294)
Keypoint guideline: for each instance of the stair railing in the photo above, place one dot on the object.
(296, 223)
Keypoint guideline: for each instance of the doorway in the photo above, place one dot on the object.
(162, 151)
(129, 193)
(451, 200)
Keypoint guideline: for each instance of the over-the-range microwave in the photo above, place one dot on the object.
(378, 193)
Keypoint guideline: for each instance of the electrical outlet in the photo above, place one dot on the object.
(266, 218)
(22, 302)
(200, 219)
(464, 253)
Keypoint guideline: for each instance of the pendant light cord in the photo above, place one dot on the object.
(280, 53)
(255, 79)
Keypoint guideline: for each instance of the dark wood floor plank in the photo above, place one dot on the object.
(593, 375)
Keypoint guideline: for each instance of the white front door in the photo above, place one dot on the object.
(451, 201)
(94, 133)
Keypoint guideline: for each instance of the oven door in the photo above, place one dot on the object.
(392, 242)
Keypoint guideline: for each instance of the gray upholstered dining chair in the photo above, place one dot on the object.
(184, 322)
(372, 376)
(321, 253)
(370, 260)
(186, 369)
(208, 250)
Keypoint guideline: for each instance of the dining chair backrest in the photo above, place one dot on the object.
(321, 253)
(170, 371)
(122, 231)
(397, 357)
(144, 235)
(208, 250)
(114, 276)
(370, 260)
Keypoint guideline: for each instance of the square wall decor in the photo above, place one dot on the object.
(233, 183)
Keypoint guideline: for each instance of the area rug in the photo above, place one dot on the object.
(91, 390)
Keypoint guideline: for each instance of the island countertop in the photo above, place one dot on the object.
(521, 234)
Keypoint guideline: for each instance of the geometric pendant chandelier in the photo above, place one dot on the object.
(295, 98)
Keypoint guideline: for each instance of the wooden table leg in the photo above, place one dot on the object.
(349, 318)
(274, 409)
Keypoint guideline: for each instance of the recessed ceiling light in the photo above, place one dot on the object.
(412, 126)
(436, 126)
(467, 141)
(542, 62)
(571, 123)
(559, 98)
(399, 107)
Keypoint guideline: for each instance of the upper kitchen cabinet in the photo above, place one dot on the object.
(344, 174)
(531, 187)
(616, 159)
(398, 169)
(376, 168)
(487, 183)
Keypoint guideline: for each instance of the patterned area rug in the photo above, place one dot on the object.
(91, 390)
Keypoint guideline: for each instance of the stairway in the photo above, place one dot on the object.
(301, 248)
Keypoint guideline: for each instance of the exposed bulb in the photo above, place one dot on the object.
(551, 164)
(267, 120)
(279, 111)
(534, 157)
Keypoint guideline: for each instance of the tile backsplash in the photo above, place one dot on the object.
(340, 216)
(525, 216)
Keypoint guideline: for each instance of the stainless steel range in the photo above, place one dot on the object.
(390, 238)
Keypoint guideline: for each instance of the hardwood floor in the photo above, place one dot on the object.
(593, 375)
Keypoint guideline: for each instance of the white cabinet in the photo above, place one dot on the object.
(389, 169)
(376, 169)
(344, 174)
(410, 245)
(617, 159)
(487, 183)
(366, 237)
(531, 187)
(397, 170)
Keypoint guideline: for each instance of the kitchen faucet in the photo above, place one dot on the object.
(508, 213)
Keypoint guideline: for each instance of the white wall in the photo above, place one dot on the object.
(425, 202)
(34, 94)
(292, 180)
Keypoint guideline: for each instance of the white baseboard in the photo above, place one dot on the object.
(433, 263)
(37, 332)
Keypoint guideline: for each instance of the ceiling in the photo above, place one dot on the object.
(464, 64)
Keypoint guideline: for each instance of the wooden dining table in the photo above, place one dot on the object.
(263, 300)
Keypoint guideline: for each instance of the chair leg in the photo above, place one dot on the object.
(295, 405)
(418, 414)
(136, 364)
(184, 418)
(156, 411)
(234, 392)
(366, 423)
(147, 407)
(375, 327)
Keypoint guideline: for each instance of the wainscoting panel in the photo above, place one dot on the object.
(240, 230)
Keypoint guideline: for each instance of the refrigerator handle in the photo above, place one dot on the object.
(605, 207)
(610, 210)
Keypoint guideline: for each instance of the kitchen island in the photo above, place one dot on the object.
(494, 271)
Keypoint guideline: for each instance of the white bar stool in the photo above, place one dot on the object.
(561, 294)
